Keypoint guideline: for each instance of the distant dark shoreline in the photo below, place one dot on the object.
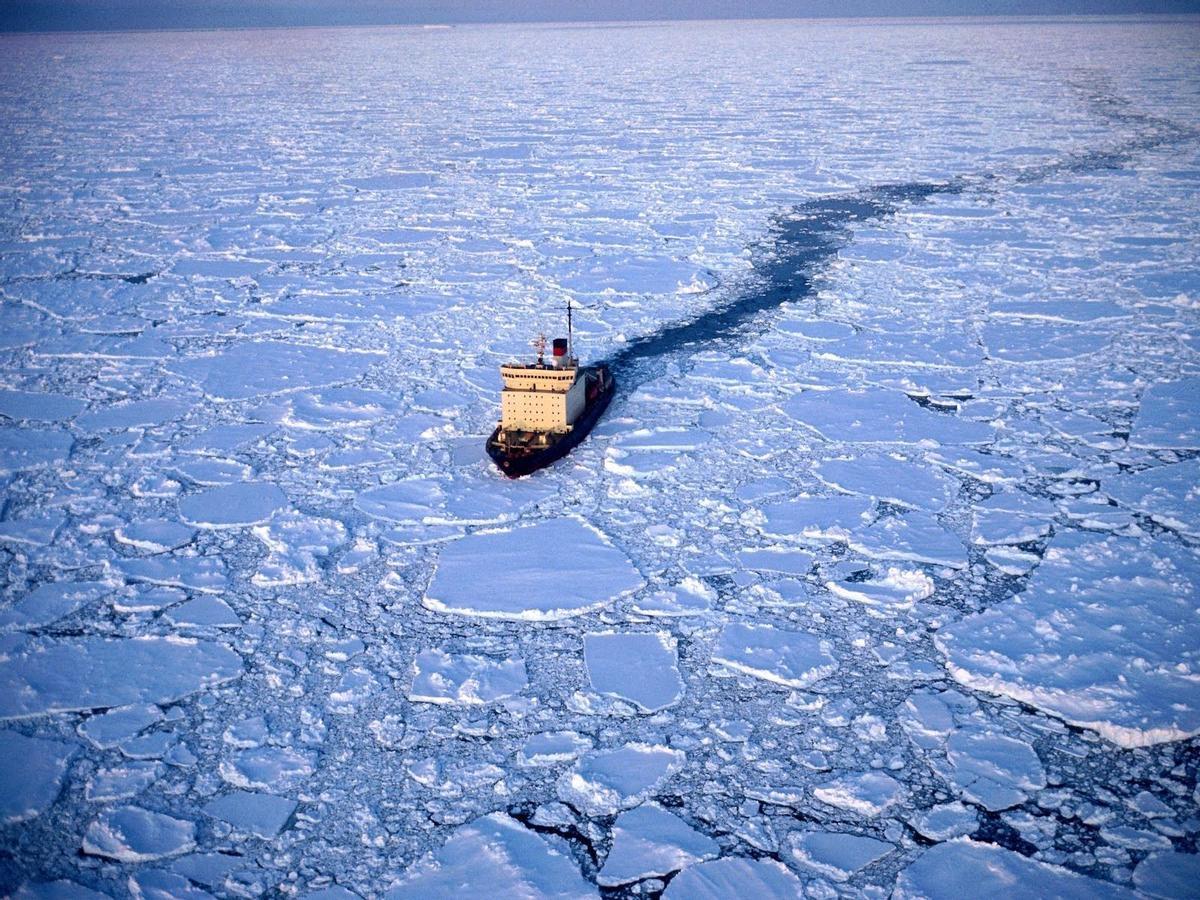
(1049, 18)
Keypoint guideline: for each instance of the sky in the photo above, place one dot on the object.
(77, 15)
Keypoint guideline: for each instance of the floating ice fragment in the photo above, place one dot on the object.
(154, 535)
(1169, 417)
(640, 667)
(649, 841)
(816, 518)
(898, 590)
(439, 677)
(131, 834)
(791, 658)
(47, 603)
(1169, 494)
(33, 531)
(867, 794)
(121, 782)
(554, 569)
(298, 544)
(204, 612)
(784, 562)
(108, 729)
(994, 770)
(945, 821)
(262, 815)
(232, 505)
(39, 407)
(964, 868)
(31, 448)
(834, 854)
(735, 876)
(494, 856)
(1172, 876)
(268, 768)
(1105, 637)
(551, 748)
(915, 536)
(31, 774)
(606, 781)
(254, 368)
(57, 890)
(159, 884)
(880, 417)
(196, 573)
(889, 478)
(139, 413)
(88, 673)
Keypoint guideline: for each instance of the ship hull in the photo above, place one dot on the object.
(516, 464)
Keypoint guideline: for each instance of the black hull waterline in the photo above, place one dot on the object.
(515, 465)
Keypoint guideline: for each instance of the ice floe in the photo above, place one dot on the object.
(232, 505)
(650, 841)
(131, 834)
(790, 658)
(962, 867)
(1169, 416)
(867, 793)
(640, 667)
(1168, 494)
(735, 876)
(254, 368)
(439, 677)
(89, 673)
(551, 570)
(836, 855)
(32, 774)
(1069, 645)
(880, 417)
(47, 603)
(494, 855)
(262, 815)
(604, 782)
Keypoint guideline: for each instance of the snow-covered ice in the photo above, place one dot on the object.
(494, 855)
(639, 667)
(791, 658)
(878, 576)
(1104, 636)
(649, 841)
(552, 570)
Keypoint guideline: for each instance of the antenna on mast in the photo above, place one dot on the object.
(570, 336)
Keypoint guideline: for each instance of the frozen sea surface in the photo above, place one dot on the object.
(879, 576)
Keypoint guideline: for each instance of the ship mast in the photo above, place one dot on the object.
(570, 344)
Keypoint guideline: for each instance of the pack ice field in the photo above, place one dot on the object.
(878, 577)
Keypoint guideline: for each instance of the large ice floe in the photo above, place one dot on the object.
(1105, 636)
(546, 571)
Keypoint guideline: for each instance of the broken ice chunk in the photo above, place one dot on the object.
(439, 677)
(791, 658)
(606, 781)
(121, 782)
(268, 768)
(638, 667)
(945, 821)
(107, 730)
(253, 368)
(131, 834)
(551, 570)
(87, 673)
(835, 854)
(649, 841)
(232, 505)
(915, 536)
(1168, 875)
(890, 478)
(204, 612)
(1170, 494)
(964, 868)
(735, 876)
(867, 794)
(551, 748)
(994, 770)
(493, 856)
(1069, 646)
(816, 518)
(1169, 417)
(898, 590)
(262, 815)
(881, 417)
(154, 535)
(47, 603)
(31, 774)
